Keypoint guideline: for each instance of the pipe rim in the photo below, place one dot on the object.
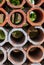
(13, 6)
(2, 43)
(34, 42)
(17, 45)
(36, 61)
(13, 62)
(24, 18)
(5, 55)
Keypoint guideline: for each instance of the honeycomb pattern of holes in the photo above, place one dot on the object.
(7, 62)
(42, 62)
(42, 6)
(43, 25)
(7, 8)
(24, 40)
(7, 46)
(17, 59)
(34, 52)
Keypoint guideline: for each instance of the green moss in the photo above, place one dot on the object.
(2, 35)
(17, 34)
(33, 16)
(15, 2)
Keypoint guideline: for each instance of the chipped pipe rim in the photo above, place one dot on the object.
(39, 42)
(5, 40)
(13, 62)
(5, 55)
(17, 45)
(36, 61)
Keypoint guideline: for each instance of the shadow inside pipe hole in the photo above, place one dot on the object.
(35, 53)
(17, 55)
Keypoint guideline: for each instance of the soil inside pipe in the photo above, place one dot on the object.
(1, 1)
(2, 36)
(36, 16)
(17, 55)
(36, 35)
(35, 53)
(1, 55)
(17, 37)
(35, 2)
(15, 2)
(17, 18)
(2, 17)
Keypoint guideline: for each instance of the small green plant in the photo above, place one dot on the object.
(33, 16)
(2, 35)
(16, 18)
(15, 2)
(17, 34)
(0, 1)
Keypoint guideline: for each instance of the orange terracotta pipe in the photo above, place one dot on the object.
(35, 53)
(40, 16)
(23, 20)
(5, 13)
(16, 6)
(38, 3)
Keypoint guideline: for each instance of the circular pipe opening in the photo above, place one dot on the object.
(35, 53)
(17, 37)
(1, 55)
(2, 17)
(36, 35)
(17, 18)
(17, 55)
(2, 36)
(15, 2)
(35, 2)
(36, 16)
